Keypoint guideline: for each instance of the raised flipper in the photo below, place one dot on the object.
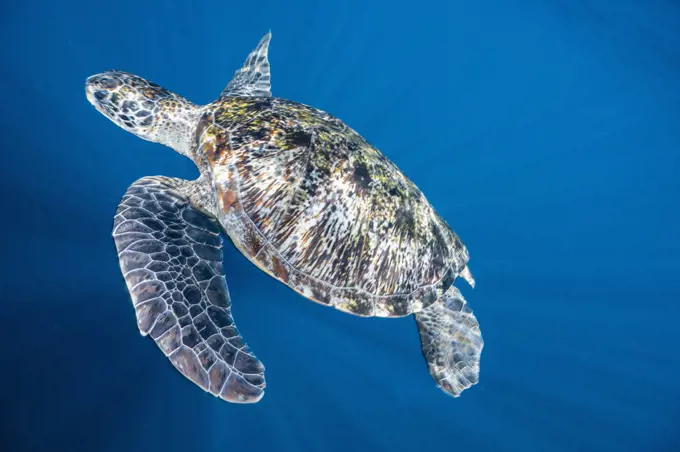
(253, 78)
(170, 254)
(451, 342)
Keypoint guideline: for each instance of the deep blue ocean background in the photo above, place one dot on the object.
(546, 133)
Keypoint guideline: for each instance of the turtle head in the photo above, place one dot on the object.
(143, 108)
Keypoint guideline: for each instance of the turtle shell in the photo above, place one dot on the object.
(310, 202)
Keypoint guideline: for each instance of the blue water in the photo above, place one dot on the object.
(546, 133)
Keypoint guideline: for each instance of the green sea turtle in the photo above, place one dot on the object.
(303, 197)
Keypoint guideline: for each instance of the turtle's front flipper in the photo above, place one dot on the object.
(253, 79)
(170, 254)
(451, 342)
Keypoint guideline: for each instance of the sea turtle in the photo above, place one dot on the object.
(306, 199)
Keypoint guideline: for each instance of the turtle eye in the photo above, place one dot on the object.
(108, 82)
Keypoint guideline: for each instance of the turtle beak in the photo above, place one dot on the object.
(89, 92)
(93, 92)
(98, 87)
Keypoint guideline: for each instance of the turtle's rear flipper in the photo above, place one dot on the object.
(170, 254)
(451, 342)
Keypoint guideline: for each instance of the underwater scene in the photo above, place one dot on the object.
(340, 226)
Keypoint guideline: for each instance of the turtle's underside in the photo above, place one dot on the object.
(306, 199)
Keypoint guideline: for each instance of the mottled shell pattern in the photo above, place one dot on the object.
(310, 202)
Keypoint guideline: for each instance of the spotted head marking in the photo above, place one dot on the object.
(143, 108)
